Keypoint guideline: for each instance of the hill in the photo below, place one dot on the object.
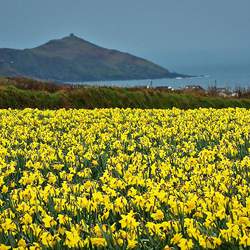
(72, 59)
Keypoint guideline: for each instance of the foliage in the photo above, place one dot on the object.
(125, 179)
(27, 93)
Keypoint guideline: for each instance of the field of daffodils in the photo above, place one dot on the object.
(125, 179)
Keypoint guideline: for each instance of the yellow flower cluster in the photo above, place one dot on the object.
(125, 179)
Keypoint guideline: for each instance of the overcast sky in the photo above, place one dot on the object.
(174, 33)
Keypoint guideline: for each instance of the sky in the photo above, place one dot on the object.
(177, 34)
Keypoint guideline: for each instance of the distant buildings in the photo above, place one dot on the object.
(194, 87)
(222, 92)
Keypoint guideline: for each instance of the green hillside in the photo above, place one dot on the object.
(72, 59)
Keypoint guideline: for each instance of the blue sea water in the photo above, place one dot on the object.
(223, 77)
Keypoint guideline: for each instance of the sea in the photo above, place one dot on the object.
(221, 77)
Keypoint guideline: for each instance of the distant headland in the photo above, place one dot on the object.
(72, 59)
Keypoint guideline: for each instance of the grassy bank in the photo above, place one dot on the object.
(24, 93)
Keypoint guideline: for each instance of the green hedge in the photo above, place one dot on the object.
(105, 97)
